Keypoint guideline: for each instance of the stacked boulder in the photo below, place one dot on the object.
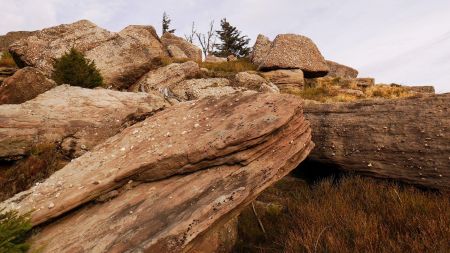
(288, 59)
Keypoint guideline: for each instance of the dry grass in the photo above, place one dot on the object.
(353, 215)
(240, 65)
(7, 60)
(329, 90)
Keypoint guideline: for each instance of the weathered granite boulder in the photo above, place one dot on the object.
(291, 51)
(11, 37)
(121, 57)
(191, 51)
(339, 70)
(176, 52)
(253, 81)
(215, 59)
(25, 84)
(6, 72)
(260, 49)
(165, 78)
(287, 80)
(403, 139)
(83, 117)
(212, 159)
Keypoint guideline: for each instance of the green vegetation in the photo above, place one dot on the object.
(74, 69)
(232, 42)
(14, 229)
(166, 24)
(353, 214)
(7, 60)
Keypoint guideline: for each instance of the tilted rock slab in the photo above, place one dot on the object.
(260, 49)
(340, 70)
(25, 84)
(406, 140)
(121, 57)
(71, 116)
(198, 163)
(190, 50)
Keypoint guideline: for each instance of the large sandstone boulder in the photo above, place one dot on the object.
(121, 57)
(25, 84)
(176, 52)
(253, 81)
(191, 51)
(291, 51)
(200, 88)
(11, 37)
(83, 117)
(168, 188)
(260, 49)
(165, 78)
(405, 140)
(287, 80)
(339, 70)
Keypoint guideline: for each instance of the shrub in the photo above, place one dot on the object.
(7, 60)
(14, 229)
(74, 69)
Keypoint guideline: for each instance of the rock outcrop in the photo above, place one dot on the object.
(213, 157)
(200, 88)
(11, 37)
(339, 70)
(253, 81)
(191, 51)
(6, 72)
(260, 49)
(176, 52)
(121, 57)
(406, 140)
(286, 79)
(72, 117)
(291, 51)
(24, 85)
(165, 78)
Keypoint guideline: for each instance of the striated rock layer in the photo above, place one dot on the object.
(406, 140)
(73, 117)
(170, 177)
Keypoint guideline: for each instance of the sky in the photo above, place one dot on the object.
(394, 41)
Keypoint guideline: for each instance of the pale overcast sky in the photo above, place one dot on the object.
(402, 41)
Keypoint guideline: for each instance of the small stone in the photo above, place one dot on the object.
(197, 125)
(122, 149)
(51, 205)
(369, 165)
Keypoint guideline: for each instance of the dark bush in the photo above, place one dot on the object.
(74, 69)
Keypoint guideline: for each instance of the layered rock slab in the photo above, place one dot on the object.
(406, 140)
(213, 157)
(70, 116)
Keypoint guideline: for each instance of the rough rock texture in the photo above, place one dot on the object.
(121, 57)
(25, 84)
(260, 49)
(200, 88)
(365, 82)
(406, 140)
(418, 89)
(291, 51)
(287, 80)
(253, 81)
(339, 70)
(74, 117)
(166, 77)
(11, 37)
(192, 52)
(6, 72)
(176, 52)
(215, 59)
(213, 157)
(232, 57)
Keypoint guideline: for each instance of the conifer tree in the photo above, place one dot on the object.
(166, 24)
(232, 42)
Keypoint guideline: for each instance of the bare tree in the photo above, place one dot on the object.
(191, 36)
(207, 41)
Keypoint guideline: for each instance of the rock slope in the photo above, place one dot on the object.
(406, 140)
(170, 177)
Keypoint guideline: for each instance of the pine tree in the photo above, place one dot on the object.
(233, 43)
(166, 24)
(74, 69)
